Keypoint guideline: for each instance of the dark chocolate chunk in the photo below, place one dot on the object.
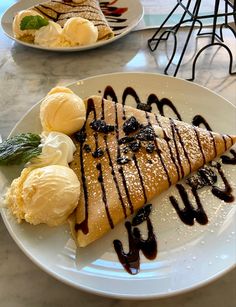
(208, 175)
(131, 125)
(122, 160)
(126, 149)
(80, 136)
(87, 148)
(146, 133)
(135, 146)
(98, 153)
(101, 126)
(125, 140)
(204, 177)
(150, 148)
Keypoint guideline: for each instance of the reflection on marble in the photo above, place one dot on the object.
(26, 75)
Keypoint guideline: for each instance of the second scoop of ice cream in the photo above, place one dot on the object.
(80, 31)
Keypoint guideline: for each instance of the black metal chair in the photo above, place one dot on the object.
(193, 17)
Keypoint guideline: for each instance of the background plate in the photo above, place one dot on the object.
(131, 18)
(188, 256)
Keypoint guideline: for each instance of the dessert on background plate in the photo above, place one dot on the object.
(61, 11)
(121, 17)
(62, 24)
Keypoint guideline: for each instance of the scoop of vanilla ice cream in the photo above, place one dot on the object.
(80, 31)
(60, 89)
(57, 148)
(49, 36)
(14, 199)
(62, 111)
(18, 33)
(44, 195)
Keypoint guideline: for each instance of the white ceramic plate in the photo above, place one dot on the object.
(188, 256)
(130, 18)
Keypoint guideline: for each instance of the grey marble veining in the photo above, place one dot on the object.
(26, 75)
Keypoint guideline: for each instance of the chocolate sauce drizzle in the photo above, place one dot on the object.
(189, 213)
(199, 120)
(151, 100)
(114, 178)
(81, 137)
(131, 260)
(224, 194)
(104, 197)
(177, 150)
(113, 96)
(159, 155)
(140, 178)
(227, 160)
(176, 130)
(168, 144)
(113, 15)
(204, 177)
(110, 93)
(214, 143)
(200, 146)
(225, 142)
(83, 225)
(135, 163)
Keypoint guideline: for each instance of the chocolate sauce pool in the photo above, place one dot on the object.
(189, 214)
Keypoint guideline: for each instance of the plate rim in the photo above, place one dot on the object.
(70, 49)
(90, 289)
(130, 73)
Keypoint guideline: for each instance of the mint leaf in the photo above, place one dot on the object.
(33, 22)
(20, 149)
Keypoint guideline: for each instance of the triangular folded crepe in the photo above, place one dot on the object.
(60, 11)
(126, 156)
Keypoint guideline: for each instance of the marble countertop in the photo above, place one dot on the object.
(26, 75)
